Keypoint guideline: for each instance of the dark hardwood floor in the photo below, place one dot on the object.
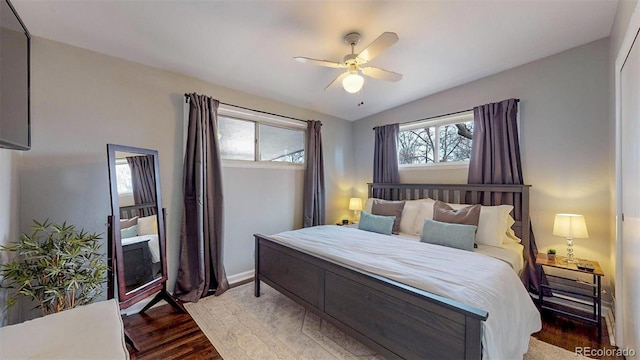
(164, 333)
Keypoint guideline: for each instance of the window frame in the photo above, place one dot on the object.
(436, 123)
(262, 119)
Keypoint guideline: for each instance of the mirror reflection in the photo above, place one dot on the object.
(136, 186)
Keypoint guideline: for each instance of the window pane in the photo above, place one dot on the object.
(237, 139)
(123, 178)
(279, 144)
(455, 142)
(416, 146)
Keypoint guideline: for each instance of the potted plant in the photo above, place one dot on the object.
(551, 254)
(56, 266)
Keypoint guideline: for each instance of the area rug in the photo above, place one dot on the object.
(241, 326)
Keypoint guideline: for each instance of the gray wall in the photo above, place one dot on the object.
(564, 127)
(9, 217)
(82, 100)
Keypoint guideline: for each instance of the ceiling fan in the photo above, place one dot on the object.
(351, 80)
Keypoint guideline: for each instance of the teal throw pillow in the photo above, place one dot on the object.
(376, 223)
(446, 234)
(129, 232)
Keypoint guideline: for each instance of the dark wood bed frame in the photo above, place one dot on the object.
(396, 320)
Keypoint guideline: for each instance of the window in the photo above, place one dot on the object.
(446, 139)
(280, 144)
(123, 176)
(251, 137)
(237, 139)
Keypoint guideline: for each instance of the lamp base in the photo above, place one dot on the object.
(570, 259)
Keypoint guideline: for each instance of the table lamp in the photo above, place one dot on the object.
(571, 226)
(355, 204)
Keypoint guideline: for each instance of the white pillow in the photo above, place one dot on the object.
(425, 212)
(492, 225)
(409, 214)
(148, 225)
(510, 235)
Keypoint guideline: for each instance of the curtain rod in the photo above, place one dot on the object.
(433, 117)
(186, 99)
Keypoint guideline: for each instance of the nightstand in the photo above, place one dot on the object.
(580, 291)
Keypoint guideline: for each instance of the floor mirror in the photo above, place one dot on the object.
(137, 231)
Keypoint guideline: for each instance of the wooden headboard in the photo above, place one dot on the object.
(127, 212)
(516, 195)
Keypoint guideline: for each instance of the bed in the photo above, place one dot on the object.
(384, 308)
(140, 245)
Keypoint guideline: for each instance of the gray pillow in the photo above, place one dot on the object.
(469, 215)
(125, 223)
(389, 208)
(452, 235)
(376, 223)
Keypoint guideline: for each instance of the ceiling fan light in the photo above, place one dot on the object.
(352, 83)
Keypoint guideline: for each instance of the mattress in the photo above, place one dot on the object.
(93, 331)
(470, 278)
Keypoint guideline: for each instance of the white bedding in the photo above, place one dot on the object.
(470, 278)
(93, 331)
(154, 248)
(510, 252)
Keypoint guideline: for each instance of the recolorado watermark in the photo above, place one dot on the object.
(600, 352)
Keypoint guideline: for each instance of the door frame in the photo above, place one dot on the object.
(625, 48)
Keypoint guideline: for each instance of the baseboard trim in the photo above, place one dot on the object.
(237, 279)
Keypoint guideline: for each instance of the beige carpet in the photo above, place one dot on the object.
(241, 326)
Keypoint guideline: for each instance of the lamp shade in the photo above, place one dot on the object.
(355, 204)
(571, 226)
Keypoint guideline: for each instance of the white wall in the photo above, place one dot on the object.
(626, 331)
(82, 100)
(9, 218)
(618, 31)
(564, 127)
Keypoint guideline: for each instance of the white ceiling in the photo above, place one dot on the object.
(249, 45)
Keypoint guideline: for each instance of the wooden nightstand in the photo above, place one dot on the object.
(570, 286)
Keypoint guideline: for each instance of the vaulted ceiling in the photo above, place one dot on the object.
(249, 45)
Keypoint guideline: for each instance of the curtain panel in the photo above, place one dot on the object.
(201, 271)
(495, 159)
(143, 183)
(385, 157)
(313, 211)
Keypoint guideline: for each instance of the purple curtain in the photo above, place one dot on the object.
(201, 271)
(495, 159)
(143, 183)
(313, 198)
(385, 157)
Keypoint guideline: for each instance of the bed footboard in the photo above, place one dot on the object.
(396, 320)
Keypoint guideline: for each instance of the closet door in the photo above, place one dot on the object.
(630, 179)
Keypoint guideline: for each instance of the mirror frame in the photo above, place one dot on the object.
(125, 298)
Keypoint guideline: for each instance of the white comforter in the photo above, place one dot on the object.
(473, 279)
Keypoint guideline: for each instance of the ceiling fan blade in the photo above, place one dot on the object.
(380, 74)
(378, 45)
(337, 80)
(331, 64)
